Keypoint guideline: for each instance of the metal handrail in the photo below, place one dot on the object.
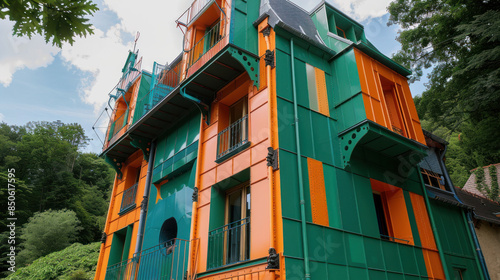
(232, 137)
(395, 238)
(225, 244)
(207, 42)
(192, 12)
(166, 261)
(128, 198)
(117, 125)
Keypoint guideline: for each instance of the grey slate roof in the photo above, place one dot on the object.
(484, 209)
(292, 18)
(444, 196)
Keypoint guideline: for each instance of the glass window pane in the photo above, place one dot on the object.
(311, 88)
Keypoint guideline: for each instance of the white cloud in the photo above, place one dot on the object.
(2, 117)
(20, 52)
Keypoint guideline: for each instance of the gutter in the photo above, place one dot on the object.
(299, 165)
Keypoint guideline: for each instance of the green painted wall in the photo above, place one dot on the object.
(243, 34)
(143, 91)
(350, 247)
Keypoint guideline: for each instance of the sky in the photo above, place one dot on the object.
(39, 82)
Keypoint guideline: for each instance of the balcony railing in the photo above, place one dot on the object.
(232, 138)
(211, 38)
(229, 244)
(193, 11)
(129, 77)
(128, 199)
(164, 83)
(117, 125)
(167, 261)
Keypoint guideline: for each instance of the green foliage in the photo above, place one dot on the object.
(492, 190)
(47, 232)
(461, 41)
(75, 262)
(58, 21)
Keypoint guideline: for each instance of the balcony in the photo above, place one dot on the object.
(232, 139)
(128, 199)
(129, 77)
(165, 80)
(213, 36)
(117, 125)
(229, 244)
(194, 11)
(166, 261)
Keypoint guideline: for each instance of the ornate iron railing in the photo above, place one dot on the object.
(229, 244)
(233, 137)
(128, 198)
(167, 261)
(211, 38)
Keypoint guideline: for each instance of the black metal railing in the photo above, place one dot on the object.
(128, 198)
(233, 137)
(394, 239)
(211, 38)
(166, 261)
(229, 244)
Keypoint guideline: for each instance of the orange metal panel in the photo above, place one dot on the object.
(319, 206)
(133, 241)
(259, 126)
(322, 92)
(202, 222)
(259, 219)
(258, 172)
(259, 152)
(224, 170)
(255, 272)
(257, 100)
(204, 197)
(207, 179)
(241, 161)
(208, 156)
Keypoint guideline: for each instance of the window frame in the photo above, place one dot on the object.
(244, 249)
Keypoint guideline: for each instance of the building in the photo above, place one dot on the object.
(280, 144)
(484, 181)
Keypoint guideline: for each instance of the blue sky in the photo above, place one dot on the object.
(39, 82)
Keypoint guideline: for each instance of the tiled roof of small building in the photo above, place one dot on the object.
(484, 208)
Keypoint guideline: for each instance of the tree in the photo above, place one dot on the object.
(460, 39)
(48, 232)
(57, 20)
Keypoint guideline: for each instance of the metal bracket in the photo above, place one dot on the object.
(103, 237)
(348, 142)
(249, 62)
(144, 203)
(269, 58)
(266, 31)
(116, 164)
(195, 194)
(142, 143)
(273, 260)
(272, 158)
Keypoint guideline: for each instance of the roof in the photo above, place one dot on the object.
(444, 196)
(484, 208)
(292, 18)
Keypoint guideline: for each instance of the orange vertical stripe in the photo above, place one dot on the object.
(317, 191)
(322, 92)
(431, 254)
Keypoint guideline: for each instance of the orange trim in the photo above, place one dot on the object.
(317, 190)
(430, 251)
(322, 92)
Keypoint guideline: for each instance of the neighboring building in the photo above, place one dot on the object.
(486, 218)
(472, 185)
(279, 144)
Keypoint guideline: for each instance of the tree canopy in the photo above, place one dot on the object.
(460, 41)
(57, 21)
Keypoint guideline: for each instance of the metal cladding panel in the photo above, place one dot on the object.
(301, 83)
(305, 132)
(350, 217)
(293, 236)
(339, 271)
(374, 255)
(284, 75)
(335, 247)
(288, 162)
(366, 206)
(332, 197)
(286, 126)
(323, 144)
(392, 256)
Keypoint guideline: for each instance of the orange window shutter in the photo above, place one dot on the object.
(322, 92)
(317, 191)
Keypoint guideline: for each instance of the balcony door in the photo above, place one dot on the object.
(237, 222)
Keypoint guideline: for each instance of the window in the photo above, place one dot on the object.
(130, 193)
(234, 137)
(230, 243)
(120, 245)
(393, 106)
(392, 213)
(433, 179)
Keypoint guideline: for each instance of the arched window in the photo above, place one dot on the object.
(168, 230)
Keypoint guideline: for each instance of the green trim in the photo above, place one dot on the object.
(126, 246)
(142, 143)
(363, 132)
(232, 267)
(249, 62)
(116, 164)
(469, 235)
(236, 151)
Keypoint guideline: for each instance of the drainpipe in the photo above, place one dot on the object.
(434, 228)
(204, 108)
(299, 164)
(468, 221)
(479, 258)
(144, 204)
